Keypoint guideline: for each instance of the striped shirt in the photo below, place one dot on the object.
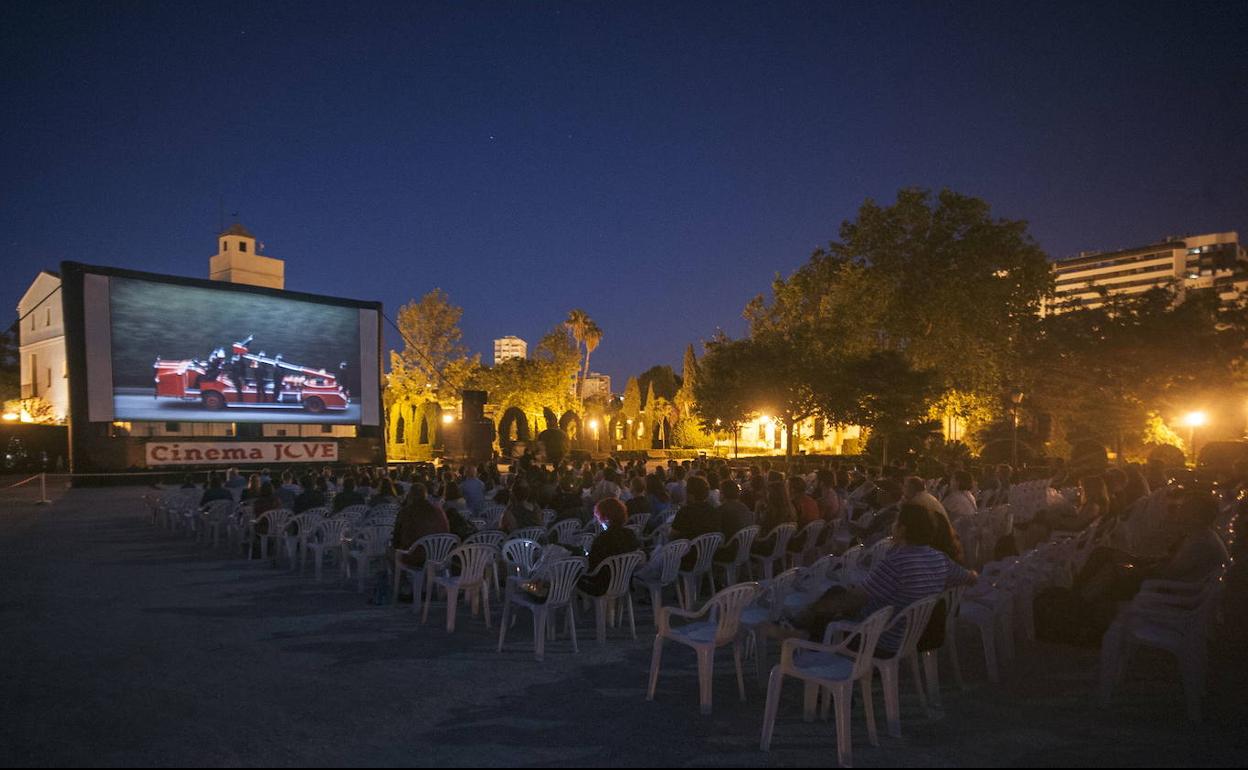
(905, 575)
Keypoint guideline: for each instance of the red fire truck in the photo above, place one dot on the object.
(245, 379)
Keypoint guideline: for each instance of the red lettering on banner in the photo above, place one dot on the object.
(160, 453)
(212, 454)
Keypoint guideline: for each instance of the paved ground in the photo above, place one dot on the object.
(120, 645)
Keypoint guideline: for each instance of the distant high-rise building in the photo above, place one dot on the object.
(1212, 261)
(509, 347)
(239, 261)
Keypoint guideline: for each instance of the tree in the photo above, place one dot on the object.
(434, 362)
(891, 396)
(632, 398)
(536, 383)
(10, 364)
(689, 376)
(586, 332)
(662, 381)
(786, 387)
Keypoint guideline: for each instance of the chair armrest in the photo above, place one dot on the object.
(793, 645)
(667, 613)
(835, 631)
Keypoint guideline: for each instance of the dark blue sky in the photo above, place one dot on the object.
(653, 164)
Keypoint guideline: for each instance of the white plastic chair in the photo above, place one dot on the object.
(326, 536)
(779, 538)
(562, 576)
(913, 620)
(564, 532)
(809, 535)
(742, 542)
(298, 527)
(691, 580)
(276, 525)
(668, 559)
(621, 568)
(520, 555)
(639, 520)
(527, 533)
(363, 546)
(1165, 615)
(474, 559)
(721, 627)
(830, 668)
(436, 549)
(214, 518)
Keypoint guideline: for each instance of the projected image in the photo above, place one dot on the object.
(186, 353)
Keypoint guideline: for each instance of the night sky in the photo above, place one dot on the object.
(653, 164)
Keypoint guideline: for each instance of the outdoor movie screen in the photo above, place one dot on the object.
(197, 354)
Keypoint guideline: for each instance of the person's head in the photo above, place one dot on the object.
(914, 526)
(520, 493)
(681, 472)
(610, 512)
(452, 491)
(253, 482)
(698, 489)
(637, 486)
(266, 489)
(1199, 510)
(655, 487)
(887, 492)
(777, 496)
(386, 488)
(418, 493)
(962, 481)
(1094, 490)
(348, 484)
(1115, 480)
(712, 479)
(470, 472)
(1004, 473)
(214, 480)
(728, 490)
(288, 477)
(797, 487)
(913, 487)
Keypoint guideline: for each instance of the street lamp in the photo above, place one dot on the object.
(1194, 420)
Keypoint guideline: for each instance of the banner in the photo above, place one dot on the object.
(232, 453)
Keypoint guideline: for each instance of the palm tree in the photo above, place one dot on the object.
(585, 332)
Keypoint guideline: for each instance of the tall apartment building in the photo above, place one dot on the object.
(509, 347)
(1212, 261)
(596, 385)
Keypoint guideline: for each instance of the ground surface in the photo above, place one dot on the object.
(122, 645)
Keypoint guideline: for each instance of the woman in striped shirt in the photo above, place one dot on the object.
(911, 570)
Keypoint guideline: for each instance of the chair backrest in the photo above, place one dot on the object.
(859, 643)
(639, 520)
(493, 515)
(436, 547)
(354, 512)
(774, 591)
(323, 512)
(914, 619)
(585, 541)
(473, 559)
(521, 554)
(706, 546)
(277, 519)
(810, 534)
(852, 557)
(302, 524)
(563, 575)
(671, 555)
(565, 530)
(329, 531)
(219, 509)
(826, 566)
(528, 533)
(725, 608)
(374, 539)
(876, 552)
(491, 537)
(782, 534)
(743, 540)
(384, 509)
(548, 518)
(621, 568)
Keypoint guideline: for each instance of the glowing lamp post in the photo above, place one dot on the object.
(593, 425)
(1194, 420)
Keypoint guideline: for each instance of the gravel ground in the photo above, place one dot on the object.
(124, 645)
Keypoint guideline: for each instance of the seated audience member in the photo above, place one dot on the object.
(453, 499)
(473, 489)
(914, 492)
(638, 501)
(313, 495)
(348, 496)
(215, 491)
(417, 518)
(911, 570)
(733, 514)
(385, 494)
(959, 502)
(615, 540)
(696, 517)
(521, 512)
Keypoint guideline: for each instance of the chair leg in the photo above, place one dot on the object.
(485, 591)
(632, 621)
(810, 700)
(452, 605)
(706, 673)
(655, 659)
(951, 644)
(656, 603)
(844, 742)
(990, 652)
(600, 618)
(736, 659)
(918, 683)
(572, 627)
(502, 624)
(889, 674)
(868, 708)
(539, 632)
(931, 669)
(773, 705)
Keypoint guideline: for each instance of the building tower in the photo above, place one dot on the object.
(238, 261)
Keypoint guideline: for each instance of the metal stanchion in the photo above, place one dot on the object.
(43, 490)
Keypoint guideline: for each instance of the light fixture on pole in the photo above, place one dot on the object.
(1194, 420)
(1016, 398)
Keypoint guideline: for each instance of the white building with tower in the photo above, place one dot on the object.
(41, 326)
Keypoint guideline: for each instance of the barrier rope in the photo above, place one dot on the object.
(23, 482)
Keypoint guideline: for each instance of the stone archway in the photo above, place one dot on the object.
(570, 424)
(552, 419)
(513, 427)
